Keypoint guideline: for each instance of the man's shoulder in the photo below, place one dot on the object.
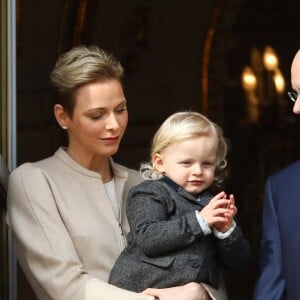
(291, 171)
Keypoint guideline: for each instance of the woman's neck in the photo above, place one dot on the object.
(99, 164)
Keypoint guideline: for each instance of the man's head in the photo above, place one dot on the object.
(295, 81)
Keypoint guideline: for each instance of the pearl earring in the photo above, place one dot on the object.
(64, 127)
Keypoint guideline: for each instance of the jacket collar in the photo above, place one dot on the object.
(118, 170)
(203, 197)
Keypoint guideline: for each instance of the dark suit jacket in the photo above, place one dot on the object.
(166, 246)
(280, 246)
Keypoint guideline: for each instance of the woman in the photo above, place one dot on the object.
(67, 212)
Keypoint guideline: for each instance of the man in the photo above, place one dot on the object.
(280, 248)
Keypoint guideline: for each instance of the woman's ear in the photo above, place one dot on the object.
(158, 162)
(62, 117)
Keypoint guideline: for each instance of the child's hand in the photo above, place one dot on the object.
(217, 211)
(223, 226)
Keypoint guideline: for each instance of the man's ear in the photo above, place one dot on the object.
(62, 117)
(158, 162)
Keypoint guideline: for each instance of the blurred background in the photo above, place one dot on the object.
(227, 59)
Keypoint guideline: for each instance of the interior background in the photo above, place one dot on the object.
(178, 55)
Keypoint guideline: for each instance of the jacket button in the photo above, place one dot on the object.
(195, 265)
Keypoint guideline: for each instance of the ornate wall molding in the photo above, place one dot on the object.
(222, 19)
(75, 23)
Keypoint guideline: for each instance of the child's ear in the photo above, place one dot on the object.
(158, 162)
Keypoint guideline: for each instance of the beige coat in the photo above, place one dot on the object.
(65, 233)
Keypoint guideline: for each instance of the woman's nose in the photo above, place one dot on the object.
(112, 122)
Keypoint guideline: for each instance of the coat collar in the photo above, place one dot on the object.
(118, 170)
(203, 198)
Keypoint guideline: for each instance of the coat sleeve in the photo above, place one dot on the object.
(44, 247)
(151, 228)
(234, 250)
(271, 283)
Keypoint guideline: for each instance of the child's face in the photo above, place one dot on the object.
(190, 163)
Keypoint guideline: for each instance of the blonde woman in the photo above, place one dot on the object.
(67, 212)
(180, 231)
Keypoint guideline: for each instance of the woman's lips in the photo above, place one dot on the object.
(111, 139)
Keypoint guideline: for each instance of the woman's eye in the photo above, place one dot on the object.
(95, 117)
(120, 110)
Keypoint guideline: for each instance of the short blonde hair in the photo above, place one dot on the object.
(181, 126)
(79, 66)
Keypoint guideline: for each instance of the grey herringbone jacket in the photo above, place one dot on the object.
(166, 246)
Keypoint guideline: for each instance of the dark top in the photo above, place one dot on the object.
(280, 257)
(166, 245)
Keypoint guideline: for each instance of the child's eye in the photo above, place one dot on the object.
(185, 163)
(208, 164)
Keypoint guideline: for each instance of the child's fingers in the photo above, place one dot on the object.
(234, 210)
(219, 219)
(216, 203)
(221, 195)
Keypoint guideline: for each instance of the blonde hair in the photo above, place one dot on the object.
(181, 126)
(79, 66)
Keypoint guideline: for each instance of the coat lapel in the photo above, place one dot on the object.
(202, 199)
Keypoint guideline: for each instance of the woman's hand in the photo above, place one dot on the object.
(189, 291)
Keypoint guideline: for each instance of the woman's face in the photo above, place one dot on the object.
(99, 119)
